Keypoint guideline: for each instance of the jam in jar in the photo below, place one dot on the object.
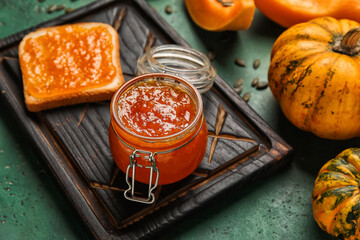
(158, 133)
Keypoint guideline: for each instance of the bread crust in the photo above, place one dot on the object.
(101, 93)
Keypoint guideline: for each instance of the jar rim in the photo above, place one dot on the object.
(205, 62)
(129, 83)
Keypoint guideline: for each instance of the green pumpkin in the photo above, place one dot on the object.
(336, 196)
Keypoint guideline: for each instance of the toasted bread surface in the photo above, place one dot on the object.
(70, 64)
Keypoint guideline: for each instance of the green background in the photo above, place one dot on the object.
(32, 205)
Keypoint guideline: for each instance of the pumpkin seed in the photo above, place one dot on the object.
(226, 3)
(255, 82)
(51, 8)
(168, 9)
(37, 9)
(211, 54)
(256, 64)
(246, 97)
(261, 85)
(69, 10)
(239, 89)
(238, 82)
(60, 7)
(240, 62)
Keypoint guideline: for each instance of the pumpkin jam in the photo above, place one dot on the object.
(156, 109)
(152, 114)
(68, 60)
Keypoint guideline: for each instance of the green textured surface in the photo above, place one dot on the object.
(32, 205)
(21, 14)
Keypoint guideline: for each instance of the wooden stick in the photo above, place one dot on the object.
(105, 187)
(149, 41)
(220, 119)
(229, 137)
(114, 175)
(119, 18)
(83, 114)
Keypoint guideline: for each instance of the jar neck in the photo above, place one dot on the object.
(188, 63)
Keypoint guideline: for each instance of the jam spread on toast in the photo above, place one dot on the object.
(67, 60)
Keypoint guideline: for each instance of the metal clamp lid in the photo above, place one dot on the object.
(132, 165)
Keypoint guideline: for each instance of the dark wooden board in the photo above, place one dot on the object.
(73, 140)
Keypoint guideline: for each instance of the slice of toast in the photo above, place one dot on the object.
(70, 64)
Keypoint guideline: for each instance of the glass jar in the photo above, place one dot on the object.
(185, 62)
(157, 160)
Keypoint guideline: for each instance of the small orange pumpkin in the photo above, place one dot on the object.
(289, 12)
(315, 76)
(221, 15)
(336, 196)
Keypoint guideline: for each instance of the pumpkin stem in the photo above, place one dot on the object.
(349, 44)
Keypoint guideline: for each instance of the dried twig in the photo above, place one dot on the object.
(220, 119)
(105, 187)
(201, 174)
(97, 185)
(114, 175)
(119, 18)
(149, 41)
(83, 114)
(9, 58)
(229, 137)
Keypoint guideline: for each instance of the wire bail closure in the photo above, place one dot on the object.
(132, 165)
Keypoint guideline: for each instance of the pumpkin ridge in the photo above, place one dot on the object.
(334, 34)
(348, 153)
(343, 174)
(291, 67)
(286, 38)
(307, 72)
(312, 111)
(279, 60)
(347, 158)
(303, 31)
(356, 59)
(330, 191)
(353, 213)
(332, 188)
(337, 207)
(342, 162)
(357, 231)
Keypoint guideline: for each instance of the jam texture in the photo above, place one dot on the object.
(159, 114)
(155, 109)
(68, 59)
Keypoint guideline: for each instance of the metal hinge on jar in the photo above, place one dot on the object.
(130, 193)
